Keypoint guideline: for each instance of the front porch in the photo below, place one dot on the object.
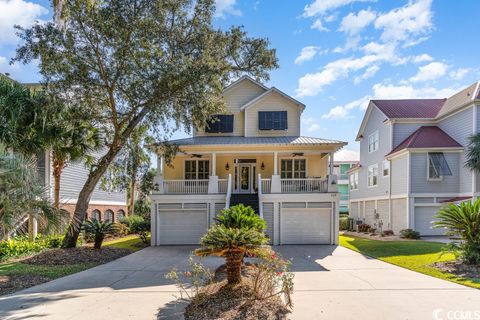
(248, 173)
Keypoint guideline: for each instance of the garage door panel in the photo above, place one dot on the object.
(182, 226)
(423, 221)
(305, 226)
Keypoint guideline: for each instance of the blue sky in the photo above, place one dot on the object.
(334, 55)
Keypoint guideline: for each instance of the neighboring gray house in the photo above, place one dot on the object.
(412, 155)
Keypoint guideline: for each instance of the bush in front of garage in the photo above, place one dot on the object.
(241, 217)
(409, 234)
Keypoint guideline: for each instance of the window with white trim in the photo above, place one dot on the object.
(386, 168)
(373, 142)
(293, 168)
(372, 175)
(354, 181)
(197, 169)
(437, 166)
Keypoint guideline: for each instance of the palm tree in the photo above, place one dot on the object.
(473, 153)
(463, 221)
(98, 230)
(22, 196)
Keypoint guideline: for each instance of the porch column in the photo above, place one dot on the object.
(213, 179)
(276, 183)
(331, 163)
(158, 181)
(332, 179)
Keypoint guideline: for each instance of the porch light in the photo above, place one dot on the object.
(227, 167)
(262, 166)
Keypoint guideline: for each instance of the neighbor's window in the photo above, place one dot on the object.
(373, 142)
(354, 181)
(220, 123)
(293, 168)
(197, 169)
(272, 120)
(437, 166)
(386, 168)
(373, 175)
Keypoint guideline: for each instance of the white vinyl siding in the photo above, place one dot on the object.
(399, 215)
(399, 174)
(423, 221)
(418, 172)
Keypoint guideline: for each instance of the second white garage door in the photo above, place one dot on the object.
(423, 221)
(178, 227)
(305, 226)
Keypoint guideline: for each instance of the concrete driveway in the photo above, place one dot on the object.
(330, 283)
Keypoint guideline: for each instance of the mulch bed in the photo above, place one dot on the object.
(9, 284)
(222, 301)
(61, 257)
(376, 236)
(459, 269)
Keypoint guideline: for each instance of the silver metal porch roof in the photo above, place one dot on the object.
(235, 140)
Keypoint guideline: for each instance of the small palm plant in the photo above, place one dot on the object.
(463, 221)
(98, 230)
(239, 231)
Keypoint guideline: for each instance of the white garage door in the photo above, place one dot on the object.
(181, 226)
(305, 226)
(423, 221)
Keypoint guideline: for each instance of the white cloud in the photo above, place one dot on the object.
(306, 54)
(347, 155)
(422, 58)
(17, 12)
(431, 71)
(320, 7)
(311, 123)
(370, 72)
(407, 22)
(459, 73)
(317, 24)
(352, 24)
(390, 91)
(343, 112)
(224, 7)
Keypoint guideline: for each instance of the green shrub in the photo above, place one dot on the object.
(409, 234)
(463, 222)
(131, 219)
(20, 246)
(363, 227)
(142, 228)
(98, 230)
(346, 223)
(241, 217)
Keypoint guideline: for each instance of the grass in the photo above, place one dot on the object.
(418, 256)
(132, 243)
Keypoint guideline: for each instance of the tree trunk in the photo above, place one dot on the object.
(58, 166)
(32, 228)
(98, 240)
(234, 259)
(131, 205)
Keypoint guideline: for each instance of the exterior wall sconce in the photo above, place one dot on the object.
(227, 167)
(262, 166)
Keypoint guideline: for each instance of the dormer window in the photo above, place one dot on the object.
(272, 120)
(220, 123)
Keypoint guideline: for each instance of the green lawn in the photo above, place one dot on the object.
(132, 243)
(414, 255)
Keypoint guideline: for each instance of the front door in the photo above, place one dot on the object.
(244, 176)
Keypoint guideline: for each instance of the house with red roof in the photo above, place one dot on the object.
(412, 156)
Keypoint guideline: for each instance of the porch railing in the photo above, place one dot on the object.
(306, 185)
(222, 185)
(185, 186)
(266, 185)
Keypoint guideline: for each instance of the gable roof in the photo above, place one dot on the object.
(410, 108)
(245, 78)
(427, 137)
(269, 92)
(459, 99)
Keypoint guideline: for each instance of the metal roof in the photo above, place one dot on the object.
(427, 137)
(235, 140)
(410, 108)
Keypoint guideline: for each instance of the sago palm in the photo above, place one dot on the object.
(463, 221)
(98, 230)
(240, 216)
(231, 244)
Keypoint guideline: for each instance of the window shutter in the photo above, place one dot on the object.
(272, 120)
(220, 123)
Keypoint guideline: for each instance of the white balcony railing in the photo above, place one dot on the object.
(222, 185)
(185, 186)
(306, 185)
(266, 185)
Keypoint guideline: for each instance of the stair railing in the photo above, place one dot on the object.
(260, 207)
(229, 191)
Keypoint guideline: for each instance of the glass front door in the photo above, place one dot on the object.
(245, 178)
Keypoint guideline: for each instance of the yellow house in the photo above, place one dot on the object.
(254, 155)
